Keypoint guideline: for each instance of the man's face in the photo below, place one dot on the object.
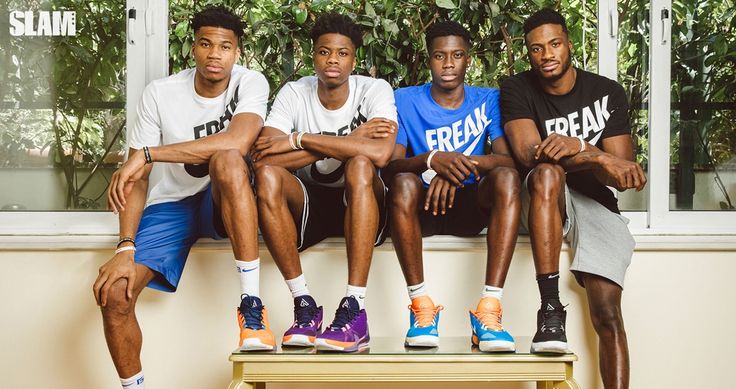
(549, 51)
(448, 61)
(215, 51)
(334, 59)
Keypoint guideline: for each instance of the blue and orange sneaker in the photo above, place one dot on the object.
(424, 317)
(488, 334)
(348, 332)
(307, 323)
(255, 333)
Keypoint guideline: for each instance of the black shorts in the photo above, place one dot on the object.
(465, 218)
(323, 215)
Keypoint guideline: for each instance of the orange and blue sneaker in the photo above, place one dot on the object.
(255, 333)
(307, 323)
(348, 332)
(488, 334)
(424, 317)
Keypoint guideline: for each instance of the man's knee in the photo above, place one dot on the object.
(268, 183)
(359, 172)
(546, 181)
(607, 318)
(118, 304)
(404, 193)
(506, 183)
(227, 167)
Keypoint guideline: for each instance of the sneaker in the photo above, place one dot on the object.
(424, 317)
(348, 332)
(307, 323)
(255, 333)
(550, 336)
(488, 334)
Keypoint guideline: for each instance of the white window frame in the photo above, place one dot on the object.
(147, 59)
(147, 50)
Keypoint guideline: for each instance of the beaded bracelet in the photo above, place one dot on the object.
(125, 239)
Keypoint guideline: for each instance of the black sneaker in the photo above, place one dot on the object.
(550, 336)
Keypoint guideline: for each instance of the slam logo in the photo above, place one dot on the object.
(43, 23)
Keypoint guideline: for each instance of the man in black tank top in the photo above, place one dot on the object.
(570, 136)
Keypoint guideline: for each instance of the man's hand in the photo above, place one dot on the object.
(270, 145)
(375, 128)
(123, 179)
(454, 167)
(440, 195)
(119, 266)
(556, 147)
(620, 173)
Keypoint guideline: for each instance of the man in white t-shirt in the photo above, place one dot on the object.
(194, 128)
(335, 130)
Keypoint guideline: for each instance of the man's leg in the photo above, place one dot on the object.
(281, 202)
(604, 303)
(498, 195)
(405, 199)
(363, 191)
(546, 186)
(233, 196)
(122, 332)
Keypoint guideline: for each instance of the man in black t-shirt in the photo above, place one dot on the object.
(569, 132)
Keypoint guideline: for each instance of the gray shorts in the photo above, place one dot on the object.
(600, 240)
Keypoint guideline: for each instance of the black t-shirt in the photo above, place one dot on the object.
(596, 108)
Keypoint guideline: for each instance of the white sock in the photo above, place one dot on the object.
(134, 382)
(298, 286)
(417, 290)
(492, 291)
(358, 292)
(249, 276)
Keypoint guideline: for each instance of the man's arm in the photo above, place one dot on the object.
(290, 160)
(501, 156)
(121, 265)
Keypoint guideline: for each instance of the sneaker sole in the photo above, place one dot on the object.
(552, 346)
(422, 341)
(324, 345)
(256, 345)
(298, 341)
(496, 346)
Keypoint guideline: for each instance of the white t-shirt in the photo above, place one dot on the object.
(170, 111)
(297, 109)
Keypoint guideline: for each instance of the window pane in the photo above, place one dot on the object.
(703, 93)
(62, 103)
(633, 74)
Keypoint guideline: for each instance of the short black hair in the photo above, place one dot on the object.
(218, 17)
(544, 16)
(333, 23)
(446, 28)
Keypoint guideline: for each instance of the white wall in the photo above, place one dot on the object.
(678, 308)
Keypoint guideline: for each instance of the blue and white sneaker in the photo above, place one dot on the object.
(424, 317)
(488, 334)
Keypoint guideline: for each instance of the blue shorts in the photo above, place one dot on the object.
(167, 232)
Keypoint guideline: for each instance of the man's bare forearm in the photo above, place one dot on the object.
(488, 162)
(346, 147)
(130, 217)
(291, 161)
(416, 164)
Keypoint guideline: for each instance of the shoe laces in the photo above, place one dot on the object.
(343, 316)
(253, 317)
(490, 319)
(304, 316)
(553, 321)
(425, 316)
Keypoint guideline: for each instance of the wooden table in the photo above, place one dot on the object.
(388, 360)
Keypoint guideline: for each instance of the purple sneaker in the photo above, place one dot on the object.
(348, 332)
(307, 323)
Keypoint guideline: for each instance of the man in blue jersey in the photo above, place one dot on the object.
(443, 182)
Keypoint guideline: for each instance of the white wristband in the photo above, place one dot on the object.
(429, 159)
(125, 248)
(291, 141)
(582, 145)
(299, 141)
